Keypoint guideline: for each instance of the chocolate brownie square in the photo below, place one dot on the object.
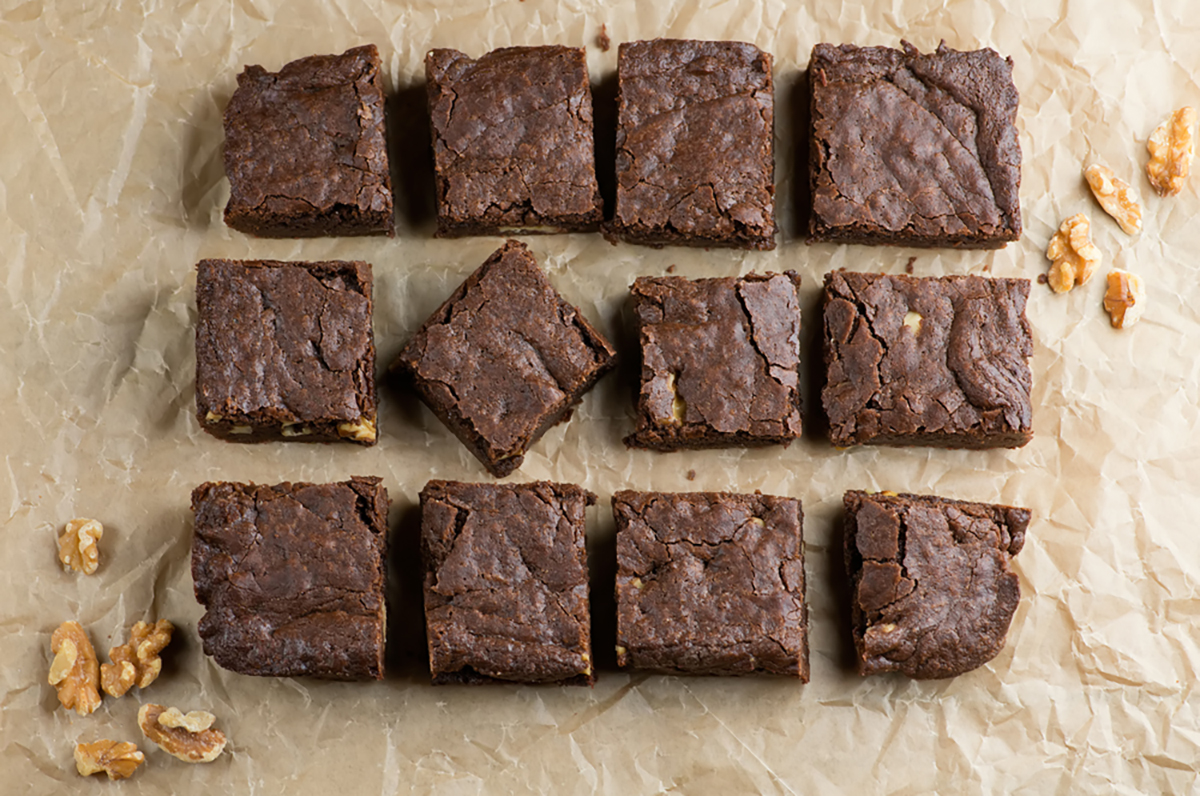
(506, 582)
(932, 592)
(912, 149)
(939, 361)
(305, 150)
(285, 351)
(505, 358)
(695, 145)
(720, 361)
(291, 577)
(513, 144)
(710, 583)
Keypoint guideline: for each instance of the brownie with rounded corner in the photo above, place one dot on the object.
(513, 141)
(506, 582)
(720, 361)
(711, 583)
(285, 351)
(933, 593)
(695, 145)
(505, 358)
(938, 361)
(291, 577)
(306, 151)
(914, 149)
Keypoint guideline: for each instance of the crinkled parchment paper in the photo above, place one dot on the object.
(111, 189)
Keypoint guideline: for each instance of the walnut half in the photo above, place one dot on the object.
(1171, 151)
(118, 759)
(137, 662)
(1075, 258)
(1115, 196)
(77, 549)
(189, 737)
(1125, 298)
(74, 671)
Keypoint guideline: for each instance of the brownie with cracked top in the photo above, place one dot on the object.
(305, 149)
(291, 577)
(513, 142)
(914, 149)
(940, 361)
(710, 583)
(932, 591)
(505, 358)
(695, 145)
(720, 361)
(506, 582)
(285, 351)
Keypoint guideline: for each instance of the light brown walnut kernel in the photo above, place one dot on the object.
(74, 671)
(137, 662)
(1116, 197)
(118, 759)
(77, 548)
(168, 728)
(1074, 257)
(1125, 299)
(1171, 151)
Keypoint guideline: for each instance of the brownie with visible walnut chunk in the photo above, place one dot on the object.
(932, 591)
(695, 145)
(305, 149)
(513, 144)
(940, 361)
(710, 583)
(291, 577)
(506, 582)
(914, 149)
(720, 361)
(285, 351)
(505, 358)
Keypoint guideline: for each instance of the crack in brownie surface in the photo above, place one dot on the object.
(506, 590)
(933, 594)
(914, 149)
(957, 377)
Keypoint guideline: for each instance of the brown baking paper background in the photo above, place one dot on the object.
(111, 189)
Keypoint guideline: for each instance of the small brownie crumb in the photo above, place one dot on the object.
(695, 145)
(691, 475)
(710, 583)
(720, 361)
(505, 358)
(506, 582)
(914, 150)
(602, 40)
(285, 351)
(933, 594)
(939, 361)
(305, 149)
(908, 267)
(514, 148)
(291, 577)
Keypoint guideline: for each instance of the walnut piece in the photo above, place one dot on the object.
(1074, 256)
(1125, 298)
(169, 729)
(1115, 196)
(1171, 151)
(74, 671)
(77, 548)
(137, 662)
(118, 759)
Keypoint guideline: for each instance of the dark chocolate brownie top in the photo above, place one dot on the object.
(933, 592)
(281, 342)
(914, 148)
(505, 356)
(513, 139)
(695, 144)
(506, 584)
(720, 360)
(927, 360)
(305, 150)
(710, 583)
(292, 577)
